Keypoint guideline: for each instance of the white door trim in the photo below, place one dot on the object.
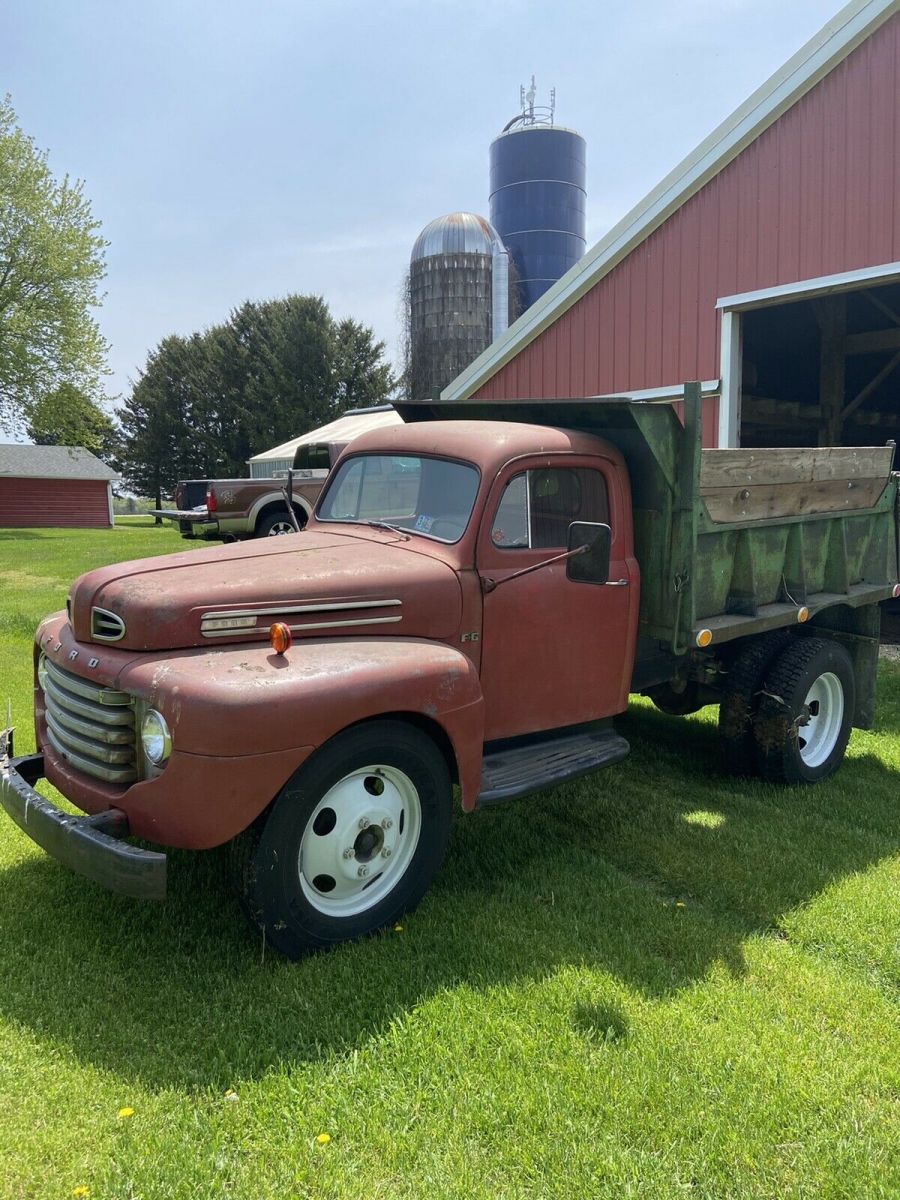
(730, 364)
(803, 289)
(730, 349)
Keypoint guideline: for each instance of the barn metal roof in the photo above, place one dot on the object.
(848, 29)
(51, 462)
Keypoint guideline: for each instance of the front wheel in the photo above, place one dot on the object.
(805, 712)
(351, 843)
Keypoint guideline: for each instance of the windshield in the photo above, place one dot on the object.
(429, 496)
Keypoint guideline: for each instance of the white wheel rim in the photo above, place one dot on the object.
(823, 710)
(359, 841)
(281, 527)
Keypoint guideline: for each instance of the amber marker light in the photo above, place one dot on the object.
(280, 637)
(704, 637)
(802, 614)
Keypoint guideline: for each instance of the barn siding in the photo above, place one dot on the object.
(70, 503)
(815, 194)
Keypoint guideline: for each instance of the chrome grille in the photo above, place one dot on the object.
(91, 727)
(106, 626)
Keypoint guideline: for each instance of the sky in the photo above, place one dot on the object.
(239, 151)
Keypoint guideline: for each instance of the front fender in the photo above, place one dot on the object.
(238, 700)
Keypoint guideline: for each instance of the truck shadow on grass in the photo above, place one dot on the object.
(653, 871)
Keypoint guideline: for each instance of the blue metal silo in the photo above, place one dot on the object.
(538, 197)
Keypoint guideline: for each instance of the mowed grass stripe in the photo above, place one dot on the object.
(654, 982)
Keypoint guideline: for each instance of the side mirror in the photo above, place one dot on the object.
(592, 564)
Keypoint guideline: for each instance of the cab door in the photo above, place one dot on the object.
(555, 652)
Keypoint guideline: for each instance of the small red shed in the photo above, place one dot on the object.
(767, 265)
(54, 486)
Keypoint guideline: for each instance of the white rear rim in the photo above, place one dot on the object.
(360, 840)
(281, 527)
(818, 735)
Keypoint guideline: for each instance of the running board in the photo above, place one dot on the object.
(508, 774)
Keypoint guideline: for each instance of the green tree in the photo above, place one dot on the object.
(204, 404)
(362, 377)
(51, 264)
(162, 441)
(68, 417)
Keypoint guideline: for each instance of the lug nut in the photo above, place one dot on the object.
(385, 853)
(364, 822)
(363, 872)
(349, 852)
(387, 823)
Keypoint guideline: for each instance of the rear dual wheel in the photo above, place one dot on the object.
(351, 843)
(787, 709)
(805, 713)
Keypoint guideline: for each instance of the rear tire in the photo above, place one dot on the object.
(351, 843)
(278, 523)
(740, 700)
(805, 712)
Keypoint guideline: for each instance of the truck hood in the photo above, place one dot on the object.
(320, 584)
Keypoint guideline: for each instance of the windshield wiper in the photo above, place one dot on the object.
(387, 525)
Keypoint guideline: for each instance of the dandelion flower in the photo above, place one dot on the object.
(323, 1139)
(398, 928)
(81, 1190)
(679, 904)
(231, 1096)
(125, 1113)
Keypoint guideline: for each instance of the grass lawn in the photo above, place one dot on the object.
(656, 982)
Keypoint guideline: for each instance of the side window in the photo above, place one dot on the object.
(537, 507)
(510, 528)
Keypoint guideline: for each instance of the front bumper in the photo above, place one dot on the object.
(92, 846)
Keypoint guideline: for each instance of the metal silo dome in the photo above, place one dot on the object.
(458, 298)
(455, 233)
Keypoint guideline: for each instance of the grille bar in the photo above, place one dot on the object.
(91, 727)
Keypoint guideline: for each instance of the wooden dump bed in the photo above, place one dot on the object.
(760, 484)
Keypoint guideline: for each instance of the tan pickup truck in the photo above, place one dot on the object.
(233, 509)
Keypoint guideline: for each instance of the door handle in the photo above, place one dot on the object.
(616, 583)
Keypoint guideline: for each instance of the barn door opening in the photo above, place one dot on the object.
(816, 366)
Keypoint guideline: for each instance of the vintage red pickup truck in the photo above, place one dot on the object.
(470, 606)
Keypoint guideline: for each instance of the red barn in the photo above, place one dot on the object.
(767, 264)
(54, 485)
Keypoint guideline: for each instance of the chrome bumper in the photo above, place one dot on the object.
(92, 846)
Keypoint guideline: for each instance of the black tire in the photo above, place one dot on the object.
(796, 743)
(277, 523)
(677, 703)
(740, 700)
(299, 914)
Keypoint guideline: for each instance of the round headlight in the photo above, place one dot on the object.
(155, 737)
(42, 672)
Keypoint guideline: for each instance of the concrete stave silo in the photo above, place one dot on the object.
(458, 298)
